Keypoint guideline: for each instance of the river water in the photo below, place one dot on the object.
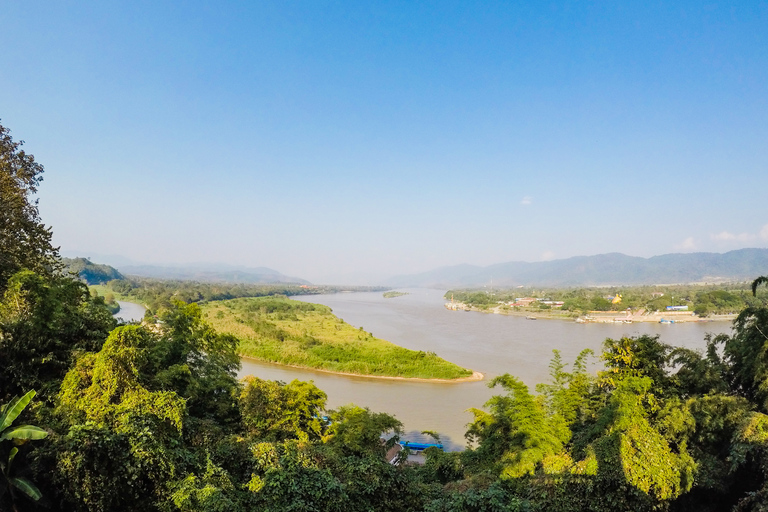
(491, 344)
(130, 312)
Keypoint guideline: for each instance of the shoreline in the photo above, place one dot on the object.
(598, 316)
(475, 377)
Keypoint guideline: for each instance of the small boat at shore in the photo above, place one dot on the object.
(530, 318)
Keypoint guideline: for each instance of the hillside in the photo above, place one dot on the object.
(91, 273)
(599, 270)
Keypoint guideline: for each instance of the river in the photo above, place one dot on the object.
(491, 344)
(130, 312)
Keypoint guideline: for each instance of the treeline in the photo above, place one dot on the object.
(701, 299)
(159, 294)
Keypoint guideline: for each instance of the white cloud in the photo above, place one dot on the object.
(727, 237)
(687, 244)
(526, 201)
(547, 255)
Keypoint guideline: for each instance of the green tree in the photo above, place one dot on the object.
(11, 437)
(516, 434)
(44, 323)
(636, 356)
(745, 356)
(631, 453)
(357, 431)
(566, 393)
(757, 282)
(25, 242)
(290, 477)
(274, 411)
(119, 431)
(196, 362)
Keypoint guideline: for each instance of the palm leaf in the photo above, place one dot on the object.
(13, 410)
(26, 487)
(11, 456)
(757, 282)
(25, 432)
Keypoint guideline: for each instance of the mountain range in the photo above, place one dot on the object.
(598, 270)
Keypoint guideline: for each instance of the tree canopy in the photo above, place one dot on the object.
(25, 242)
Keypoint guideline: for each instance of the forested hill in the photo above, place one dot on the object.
(91, 273)
(221, 273)
(602, 269)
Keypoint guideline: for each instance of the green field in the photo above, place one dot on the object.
(284, 331)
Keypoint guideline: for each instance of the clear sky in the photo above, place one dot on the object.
(349, 141)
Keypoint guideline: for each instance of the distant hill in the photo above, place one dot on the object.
(213, 273)
(599, 270)
(91, 273)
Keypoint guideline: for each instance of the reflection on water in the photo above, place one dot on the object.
(491, 344)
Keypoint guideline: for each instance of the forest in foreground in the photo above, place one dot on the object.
(96, 416)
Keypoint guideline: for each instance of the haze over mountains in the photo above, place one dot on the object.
(598, 270)
(204, 272)
(212, 273)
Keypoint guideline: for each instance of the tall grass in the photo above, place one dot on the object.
(280, 330)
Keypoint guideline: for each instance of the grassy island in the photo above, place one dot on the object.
(393, 294)
(284, 331)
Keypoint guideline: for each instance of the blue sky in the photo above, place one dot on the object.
(349, 141)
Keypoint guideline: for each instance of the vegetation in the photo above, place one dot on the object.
(280, 330)
(703, 300)
(159, 294)
(90, 272)
(11, 437)
(25, 242)
(393, 294)
(152, 418)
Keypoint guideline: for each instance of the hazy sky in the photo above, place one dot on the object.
(342, 141)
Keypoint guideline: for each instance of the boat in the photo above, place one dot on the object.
(420, 446)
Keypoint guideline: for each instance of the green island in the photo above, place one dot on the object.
(284, 331)
(392, 294)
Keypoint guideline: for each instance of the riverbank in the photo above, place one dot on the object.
(640, 316)
(657, 317)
